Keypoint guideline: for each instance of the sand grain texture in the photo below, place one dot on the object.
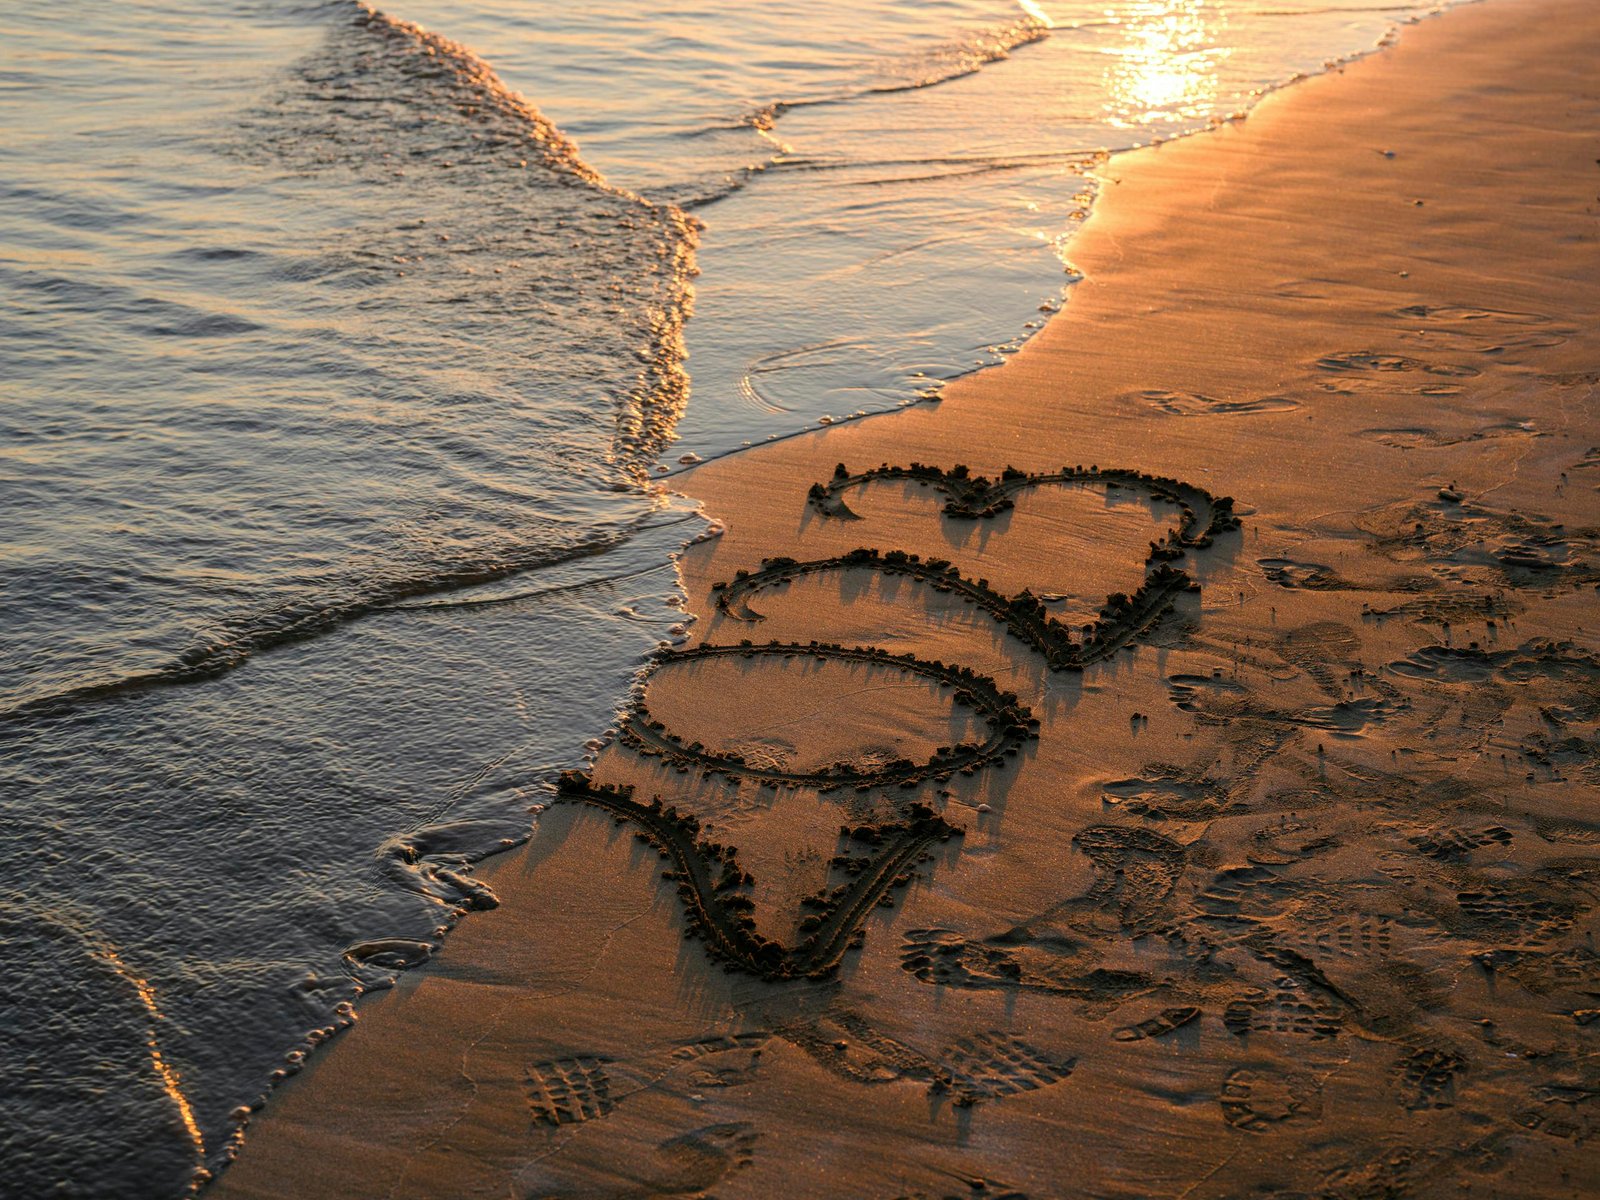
(1290, 892)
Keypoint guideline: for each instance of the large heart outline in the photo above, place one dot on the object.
(1009, 720)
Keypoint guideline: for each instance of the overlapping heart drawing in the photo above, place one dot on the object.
(879, 856)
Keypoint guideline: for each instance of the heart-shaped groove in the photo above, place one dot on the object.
(1122, 621)
(708, 875)
(1009, 720)
(975, 496)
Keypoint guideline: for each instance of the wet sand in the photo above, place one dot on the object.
(1210, 808)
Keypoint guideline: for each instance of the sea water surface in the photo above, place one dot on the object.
(336, 360)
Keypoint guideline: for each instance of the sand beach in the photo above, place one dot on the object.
(1165, 766)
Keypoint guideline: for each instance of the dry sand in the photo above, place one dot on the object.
(1293, 895)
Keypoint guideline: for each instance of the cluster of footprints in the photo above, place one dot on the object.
(563, 1093)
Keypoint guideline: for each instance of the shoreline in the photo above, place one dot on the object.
(666, 469)
(1344, 362)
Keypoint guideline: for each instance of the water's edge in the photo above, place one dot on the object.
(665, 481)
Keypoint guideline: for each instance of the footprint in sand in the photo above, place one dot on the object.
(1425, 1078)
(1356, 361)
(983, 1066)
(1255, 1100)
(1566, 1112)
(1423, 438)
(1241, 896)
(990, 1065)
(1196, 404)
(1351, 936)
(690, 1164)
(1540, 907)
(1170, 793)
(1163, 1023)
(1014, 962)
(580, 1088)
(1572, 379)
(569, 1091)
(1289, 1006)
(1486, 331)
(1462, 314)
(1136, 870)
(693, 1163)
(1456, 536)
(1450, 844)
(1315, 577)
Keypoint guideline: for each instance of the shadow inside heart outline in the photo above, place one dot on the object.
(1121, 621)
(1009, 721)
(709, 877)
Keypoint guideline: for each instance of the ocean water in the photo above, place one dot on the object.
(339, 364)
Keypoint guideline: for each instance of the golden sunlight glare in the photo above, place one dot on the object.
(1166, 67)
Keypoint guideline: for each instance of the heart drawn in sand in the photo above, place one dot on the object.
(881, 855)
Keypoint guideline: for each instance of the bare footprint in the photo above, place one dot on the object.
(693, 1163)
(1422, 438)
(1372, 360)
(1463, 314)
(1196, 404)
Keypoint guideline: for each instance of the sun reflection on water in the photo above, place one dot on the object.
(171, 1082)
(1166, 66)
